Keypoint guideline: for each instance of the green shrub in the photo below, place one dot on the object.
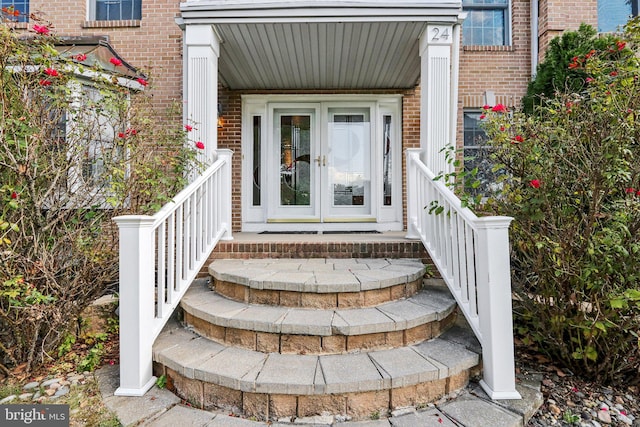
(571, 179)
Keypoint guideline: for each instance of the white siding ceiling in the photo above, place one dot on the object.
(320, 55)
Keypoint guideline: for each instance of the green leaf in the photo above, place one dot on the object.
(618, 303)
(591, 353)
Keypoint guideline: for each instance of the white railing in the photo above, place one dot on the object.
(472, 255)
(160, 256)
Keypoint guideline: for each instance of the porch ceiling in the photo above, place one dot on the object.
(322, 55)
(311, 44)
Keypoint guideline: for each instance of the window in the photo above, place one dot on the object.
(476, 152)
(90, 115)
(613, 14)
(487, 23)
(21, 6)
(117, 10)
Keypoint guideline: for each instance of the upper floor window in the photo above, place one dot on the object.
(21, 7)
(117, 10)
(487, 23)
(613, 14)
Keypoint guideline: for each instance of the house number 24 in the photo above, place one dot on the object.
(440, 35)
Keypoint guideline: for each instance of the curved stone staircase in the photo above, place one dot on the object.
(274, 338)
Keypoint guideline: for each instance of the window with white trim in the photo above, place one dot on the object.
(115, 10)
(477, 154)
(614, 14)
(487, 23)
(19, 7)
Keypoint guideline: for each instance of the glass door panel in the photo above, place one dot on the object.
(295, 160)
(295, 181)
(349, 163)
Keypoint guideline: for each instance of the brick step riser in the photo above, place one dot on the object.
(342, 300)
(233, 250)
(315, 344)
(357, 405)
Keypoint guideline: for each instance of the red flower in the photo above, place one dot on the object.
(501, 128)
(589, 80)
(620, 45)
(14, 195)
(51, 72)
(486, 107)
(638, 193)
(630, 190)
(483, 116)
(121, 135)
(131, 132)
(142, 81)
(613, 73)
(80, 57)
(45, 82)
(517, 138)
(534, 183)
(499, 108)
(41, 29)
(200, 145)
(188, 128)
(115, 61)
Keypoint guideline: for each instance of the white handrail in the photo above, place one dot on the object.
(160, 256)
(472, 255)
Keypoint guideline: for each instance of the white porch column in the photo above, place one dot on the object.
(435, 95)
(200, 87)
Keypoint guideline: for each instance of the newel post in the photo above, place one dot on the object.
(494, 307)
(412, 155)
(225, 196)
(137, 282)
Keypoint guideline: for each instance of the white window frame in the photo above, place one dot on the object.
(508, 41)
(91, 11)
(82, 185)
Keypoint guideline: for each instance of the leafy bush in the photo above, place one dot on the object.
(70, 160)
(571, 179)
(556, 74)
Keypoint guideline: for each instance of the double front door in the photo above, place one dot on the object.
(321, 164)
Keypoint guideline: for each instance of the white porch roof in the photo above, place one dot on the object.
(311, 44)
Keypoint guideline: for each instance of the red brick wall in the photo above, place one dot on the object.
(555, 16)
(153, 44)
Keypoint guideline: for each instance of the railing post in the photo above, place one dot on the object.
(137, 281)
(412, 155)
(494, 307)
(225, 197)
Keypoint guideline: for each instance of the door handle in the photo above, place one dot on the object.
(324, 160)
(317, 160)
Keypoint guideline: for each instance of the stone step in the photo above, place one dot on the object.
(317, 282)
(272, 385)
(319, 331)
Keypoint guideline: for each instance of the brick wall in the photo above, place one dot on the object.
(152, 44)
(559, 15)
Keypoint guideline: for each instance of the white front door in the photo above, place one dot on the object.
(320, 169)
(322, 164)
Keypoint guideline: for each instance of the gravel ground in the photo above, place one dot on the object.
(571, 401)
